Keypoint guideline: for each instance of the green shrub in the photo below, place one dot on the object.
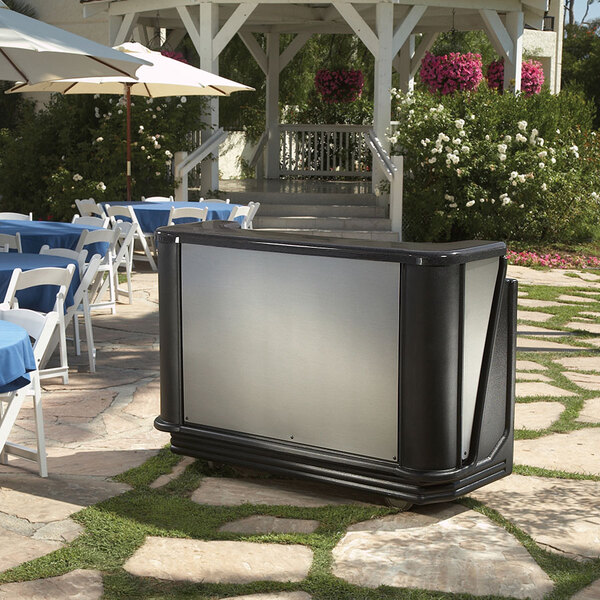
(76, 148)
(485, 165)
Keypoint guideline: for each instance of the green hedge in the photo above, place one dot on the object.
(484, 165)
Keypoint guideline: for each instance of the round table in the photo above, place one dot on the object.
(16, 357)
(152, 215)
(34, 234)
(41, 298)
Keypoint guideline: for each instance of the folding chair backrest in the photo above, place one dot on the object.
(84, 284)
(80, 256)
(4, 248)
(126, 232)
(240, 211)
(95, 236)
(157, 199)
(227, 200)
(93, 221)
(39, 326)
(125, 213)
(88, 207)
(186, 212)
(12, 241)
(14, 216)
(22, 280)
(254, 206)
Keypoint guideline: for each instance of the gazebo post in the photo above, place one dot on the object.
(512, 66)
(272, 107)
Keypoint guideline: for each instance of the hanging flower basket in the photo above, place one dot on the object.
(532, 76)
(452, 72)
(339, 85)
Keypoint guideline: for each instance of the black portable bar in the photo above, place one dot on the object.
(442, 420)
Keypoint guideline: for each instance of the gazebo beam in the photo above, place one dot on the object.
(232, 26)
(121, 31)
(498, 35)
(292, 49)
(360, 26)
(255, 50)
(272, 107)
(405, 29)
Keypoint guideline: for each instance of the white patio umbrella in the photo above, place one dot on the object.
(33, 51)
(162, 76)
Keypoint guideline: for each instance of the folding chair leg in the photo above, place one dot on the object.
(39, 431)
(64, 361)
(89, 334)
(76, 337)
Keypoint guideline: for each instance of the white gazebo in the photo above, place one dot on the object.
(389, 30)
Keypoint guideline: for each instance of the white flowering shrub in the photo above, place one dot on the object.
(488, 166)
(76, 148)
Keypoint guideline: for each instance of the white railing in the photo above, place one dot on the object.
(393, 169)
(324, 151)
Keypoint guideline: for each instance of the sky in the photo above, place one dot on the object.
(594, 12)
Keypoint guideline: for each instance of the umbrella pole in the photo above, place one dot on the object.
(128, 96)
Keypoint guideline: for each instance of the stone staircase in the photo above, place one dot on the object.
(337, 212)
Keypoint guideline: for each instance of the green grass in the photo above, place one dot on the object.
(117, 527)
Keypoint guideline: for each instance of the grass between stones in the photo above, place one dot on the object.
(115, 528)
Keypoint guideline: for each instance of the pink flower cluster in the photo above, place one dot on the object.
(532, 76)
(554, 261)
(339, 86)
(174, 55)
(451, 72)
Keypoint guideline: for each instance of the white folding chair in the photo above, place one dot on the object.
(13, 242)
(116, 212)
(81, 308)
(124, 257)
(80, 256)
(4, 248)
(107, 267)
(103, 222)
(56, 276)
(184, 212)
(227, 200)
(157, 199)
(88, 207)
(14, 216)
(40, 328)
(240, 211)
(254, 206)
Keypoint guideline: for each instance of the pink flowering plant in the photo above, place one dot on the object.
(339, 85)
(552, 260)
(451, 72)
(483, 165)
(532, 76)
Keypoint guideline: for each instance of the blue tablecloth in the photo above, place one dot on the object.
(34, 234)
(152, 215)
(41, 298)
(16, 357)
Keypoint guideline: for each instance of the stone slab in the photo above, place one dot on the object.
(580, 363)
(590, 413)
(463, 552)
(590, 313)
(578, 299)
(177, 470)
(532, 377)
(16, 549)
(532, 315)
(266, 524)
(44, 500)
(587, 381)
(528, 344)
(591, 592)
(553, 277)
(535, 388)
(530, 365)
(575, 452)
(219, 562)
(534, 303)
(581, 326)
(537, 415)
(220, 491)
(523, 329)
(275, 596)
(76, 585)
(560, 514)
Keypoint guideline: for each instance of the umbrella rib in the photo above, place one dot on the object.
(111, 67)
(218, 90)
(148, 89)
(14, 66)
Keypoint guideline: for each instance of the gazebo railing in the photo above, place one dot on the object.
(324, 151)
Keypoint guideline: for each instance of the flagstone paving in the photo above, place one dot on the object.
(100, 425)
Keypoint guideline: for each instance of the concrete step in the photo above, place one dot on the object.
(302, 198)
(321, 210)
(328, 223)
(380, 236)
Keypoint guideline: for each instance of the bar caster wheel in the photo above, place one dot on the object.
(401, 505)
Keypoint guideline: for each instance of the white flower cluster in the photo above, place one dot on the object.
(77, 177)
